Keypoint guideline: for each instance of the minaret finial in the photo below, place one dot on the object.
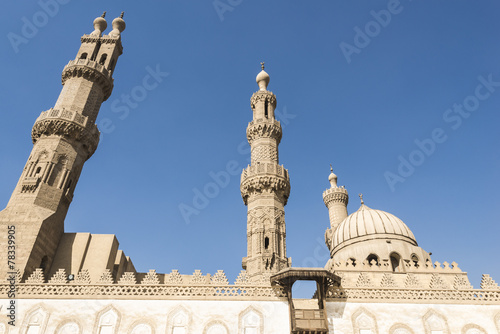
(331, 168)
(262, 65)
(361, 198)
(121, 15)
(103, 15)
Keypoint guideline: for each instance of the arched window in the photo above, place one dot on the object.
(415, 259)
(38, 170)
(435, 323)
(371, 258)
(84, 55)
(363, 322)
(265, 109)
(396, 262)
(103, 59)
(251, 321)
(266, 243)
(352, 261)
(107, 321)
(142, 329)
(69, 328)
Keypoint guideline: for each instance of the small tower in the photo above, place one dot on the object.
(265, 187)
(336, 199)
(64, 137)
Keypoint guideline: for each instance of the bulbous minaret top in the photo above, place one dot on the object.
(336, 199)
(262, 78)
(118, 26)
(100, 25)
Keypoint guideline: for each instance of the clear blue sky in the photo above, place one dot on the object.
(361, 116)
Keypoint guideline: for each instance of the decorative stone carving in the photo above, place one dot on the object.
(461, 283)
(106, 278)
(412, 282)
(266, 129)
(263, 96)
(242, 278)
(90, 70)
(487, 283)
(174, 277)
(59, 277)
(388, 281)
(198, 278)
(83, 277)
(36, 277)
(128, 278)
(437, 282)
(363, 281)
(151, 278)
(219, 278)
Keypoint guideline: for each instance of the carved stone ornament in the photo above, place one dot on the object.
(91, 71)
(263, 96)
(265, 183)
(256, 130)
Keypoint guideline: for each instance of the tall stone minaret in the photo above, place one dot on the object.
(64, 137)
(265, 187)
(336, 199)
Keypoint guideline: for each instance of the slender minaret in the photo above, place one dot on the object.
(336, 199)
(265, 187)
(64, 137)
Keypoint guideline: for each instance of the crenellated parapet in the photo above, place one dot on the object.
(92, 71)
(335, 195)
(68, 124)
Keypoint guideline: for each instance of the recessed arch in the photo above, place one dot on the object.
(70, 326)
(364, 322)
(434, 321)
(372, 257)
(142, 327)
(473, 329)
(251, 320)
(35, 320)
(107, 321)
(400, 329)
(396, 264)
(179, 320)
(216, 327)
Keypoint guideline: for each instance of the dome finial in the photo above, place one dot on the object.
(361, 198)
(332, 178)
(262, 65)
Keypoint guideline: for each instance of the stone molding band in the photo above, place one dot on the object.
(257, 130)
(68, 129)
(90, 70)
(263, 96)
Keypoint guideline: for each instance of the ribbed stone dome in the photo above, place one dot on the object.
(369, 224)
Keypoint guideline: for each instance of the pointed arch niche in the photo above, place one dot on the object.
(251, 321)
(141, 327)
(35, 321)
(435, 323)
(107, 321)
(364, 322)
(179, 320)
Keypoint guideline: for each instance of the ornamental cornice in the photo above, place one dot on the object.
(90, 70)
(106, 39)
(252, 183)
(264, 129)
(335, 195)
(263, 96)
(69, 125)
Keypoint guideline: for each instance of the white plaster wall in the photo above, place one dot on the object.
(152, 312)
(387, 314)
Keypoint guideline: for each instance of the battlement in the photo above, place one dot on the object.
(264, 169)
(65, 114)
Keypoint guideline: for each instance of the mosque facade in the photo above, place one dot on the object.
(377, 280)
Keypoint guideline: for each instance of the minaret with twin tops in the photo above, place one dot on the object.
(64, 137)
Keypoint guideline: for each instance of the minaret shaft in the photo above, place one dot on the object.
(265, 187)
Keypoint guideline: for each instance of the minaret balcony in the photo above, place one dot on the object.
(264, 128)
(69, 124)
(265, 177)
(90, 70)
